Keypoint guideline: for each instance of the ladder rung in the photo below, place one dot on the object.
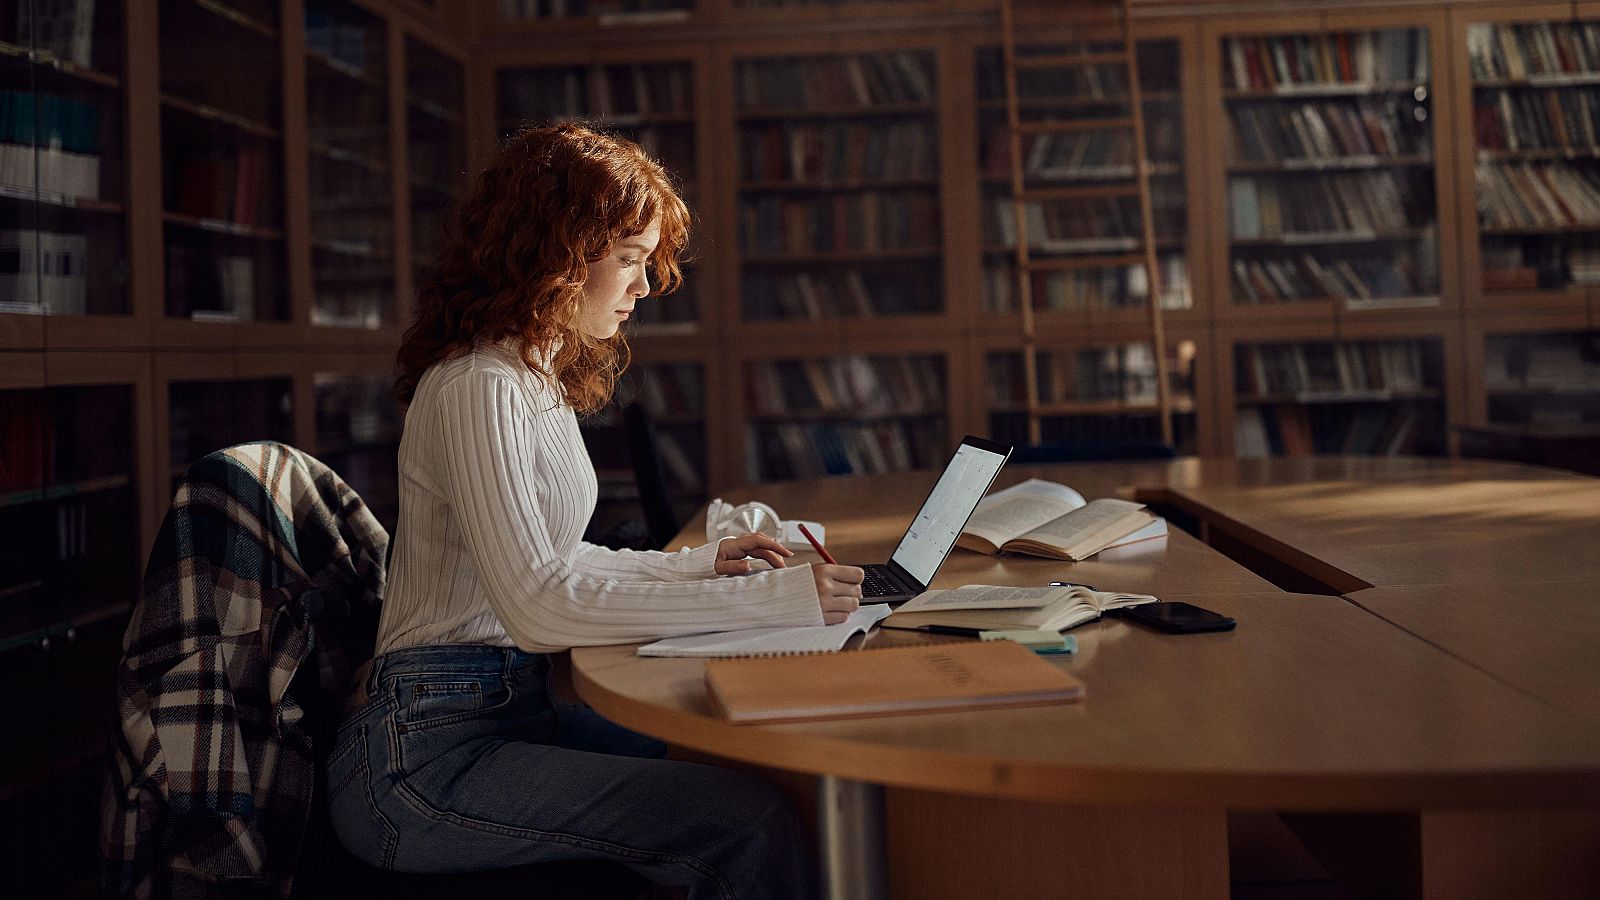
(1067, 60)
(1080, 193)
(1076, 125)
(1069, 263)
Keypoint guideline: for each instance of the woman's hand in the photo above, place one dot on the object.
(731, 553)
(838, 589)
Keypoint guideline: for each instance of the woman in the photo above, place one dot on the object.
(458, 759)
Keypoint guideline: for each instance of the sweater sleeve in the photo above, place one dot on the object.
(541, 598)
(688, 564)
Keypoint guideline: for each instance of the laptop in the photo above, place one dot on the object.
(933, 532)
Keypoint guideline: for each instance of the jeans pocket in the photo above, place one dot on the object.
(352, 804)
(429, 701)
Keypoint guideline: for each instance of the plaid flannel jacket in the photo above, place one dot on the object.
(259, 601)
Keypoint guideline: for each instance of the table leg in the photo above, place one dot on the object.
(851, 839)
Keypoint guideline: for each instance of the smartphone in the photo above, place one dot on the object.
(1177, 617)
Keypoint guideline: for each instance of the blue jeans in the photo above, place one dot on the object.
(460, 761)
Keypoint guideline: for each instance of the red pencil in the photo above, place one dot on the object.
(817, 544)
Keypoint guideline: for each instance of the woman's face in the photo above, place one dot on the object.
(616, 283)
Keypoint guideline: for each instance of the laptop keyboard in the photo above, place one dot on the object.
(878, 584)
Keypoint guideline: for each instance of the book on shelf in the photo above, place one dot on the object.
(50, 144)
(1532, 51)
(846, 222)
(1091, 226)
(822, 295)
(888, 681)
(770, 641)
(1292, 429)
(851, 81)
(1336, 129)
(788, 450)
(1324, 370)
(904, 385)
(1533, 195)
(1337, 204)
(985, 607)
(1547, 119)
(62, 28)
(47, 272)
(1124, 286)
(1285, 62)
(1043, 518)
(612, 91)
(27, 441)
(838, 151)
(1403, 277)
(220, 186)
(207, 286)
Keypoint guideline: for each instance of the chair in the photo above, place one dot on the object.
(645, 454)
(259, 601)
(1090, 451)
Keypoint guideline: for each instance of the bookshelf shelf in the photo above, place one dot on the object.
(241, 19)
(1416, 89)
(1329, 164)
(335, 66)
(63, 491)
(220, 117)
(842, 111)
(1337, 396)
(64, 201)
(878, 184)
(341, 155)
(1151, 98)
(1541, 153)
(1310, 238)
(841, 256)
(221, 226)
(52, 62)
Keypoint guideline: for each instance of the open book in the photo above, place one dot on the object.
(1043, 518)
(985, 607)
(770, 641)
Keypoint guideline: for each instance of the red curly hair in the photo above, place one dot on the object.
(551, 201)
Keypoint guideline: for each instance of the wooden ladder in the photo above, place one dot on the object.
(1145, 252)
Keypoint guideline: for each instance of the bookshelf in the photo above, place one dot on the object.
(222, 158)
(358, 424)
(820, 412)
(837, 210)
(350, 166)
(162, 295)
(1099, 392)
(63, 194)
(1087, 216)
(1330, 179)
(651, 101)
(436, 112)
(1530, 83)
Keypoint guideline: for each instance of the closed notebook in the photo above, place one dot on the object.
(921, 678)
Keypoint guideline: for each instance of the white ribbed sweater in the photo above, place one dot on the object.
(495, 490)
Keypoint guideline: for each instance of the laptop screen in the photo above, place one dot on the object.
(942, 516)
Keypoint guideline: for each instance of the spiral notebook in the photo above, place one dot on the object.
(771, 641)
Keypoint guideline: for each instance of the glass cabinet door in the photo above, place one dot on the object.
(63, 218)
(352, 190)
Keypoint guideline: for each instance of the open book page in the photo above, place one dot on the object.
(1083, 531)
(975, 607)
(770, 641)
(1016, 510)
(984, 596)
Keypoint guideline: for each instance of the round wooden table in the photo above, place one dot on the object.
(1313, 704)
